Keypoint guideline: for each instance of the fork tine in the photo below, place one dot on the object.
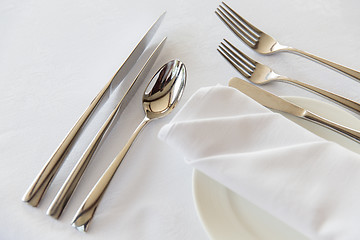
(252, 27)
(253, 62)
(238, 31)
(239, 24)
(245, 74)
(241, 61)
(233, 62)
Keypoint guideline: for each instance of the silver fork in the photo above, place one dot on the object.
(265, 44)
(261, 74)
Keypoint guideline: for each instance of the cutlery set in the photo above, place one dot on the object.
(260, 74)
(160, 97)
(71, 182)
(46, 175)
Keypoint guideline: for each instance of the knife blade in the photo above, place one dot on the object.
(43, 180)
(272, 101)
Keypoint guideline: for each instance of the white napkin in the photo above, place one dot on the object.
(308, 182)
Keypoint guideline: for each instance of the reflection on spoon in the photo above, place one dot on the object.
(160, 97)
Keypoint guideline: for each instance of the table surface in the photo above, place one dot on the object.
(56, 56)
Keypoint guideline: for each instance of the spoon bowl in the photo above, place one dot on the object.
(160, 97)
(164, 90)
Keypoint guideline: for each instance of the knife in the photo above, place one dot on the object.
(43, 180)
(63, 196)
(277, 103)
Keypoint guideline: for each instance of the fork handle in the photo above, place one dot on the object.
(340, 68)
(347, 132)
(332, 96)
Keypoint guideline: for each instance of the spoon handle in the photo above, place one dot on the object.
(87, 210)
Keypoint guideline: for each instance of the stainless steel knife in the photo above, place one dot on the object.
(41, 183)
(277, 103)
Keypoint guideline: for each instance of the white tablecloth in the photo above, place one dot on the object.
(56, 56)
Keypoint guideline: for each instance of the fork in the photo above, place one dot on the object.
(261, 74)
(265, 44)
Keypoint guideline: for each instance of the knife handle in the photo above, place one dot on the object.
(41, 183)
(347, 132)
(63, 196)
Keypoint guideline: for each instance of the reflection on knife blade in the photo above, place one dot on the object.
(277, 103)
(39, 186)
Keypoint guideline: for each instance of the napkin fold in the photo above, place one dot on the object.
(304, 180)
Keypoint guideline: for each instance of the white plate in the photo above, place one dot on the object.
(226, 215)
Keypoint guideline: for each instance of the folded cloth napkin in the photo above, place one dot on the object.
(306, 181)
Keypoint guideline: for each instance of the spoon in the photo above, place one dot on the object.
(160, 97)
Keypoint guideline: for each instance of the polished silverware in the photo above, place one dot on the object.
(65, 192)
(160, 97)
(277, 103)
(265, 44)
(48, 172)
(261, 74)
